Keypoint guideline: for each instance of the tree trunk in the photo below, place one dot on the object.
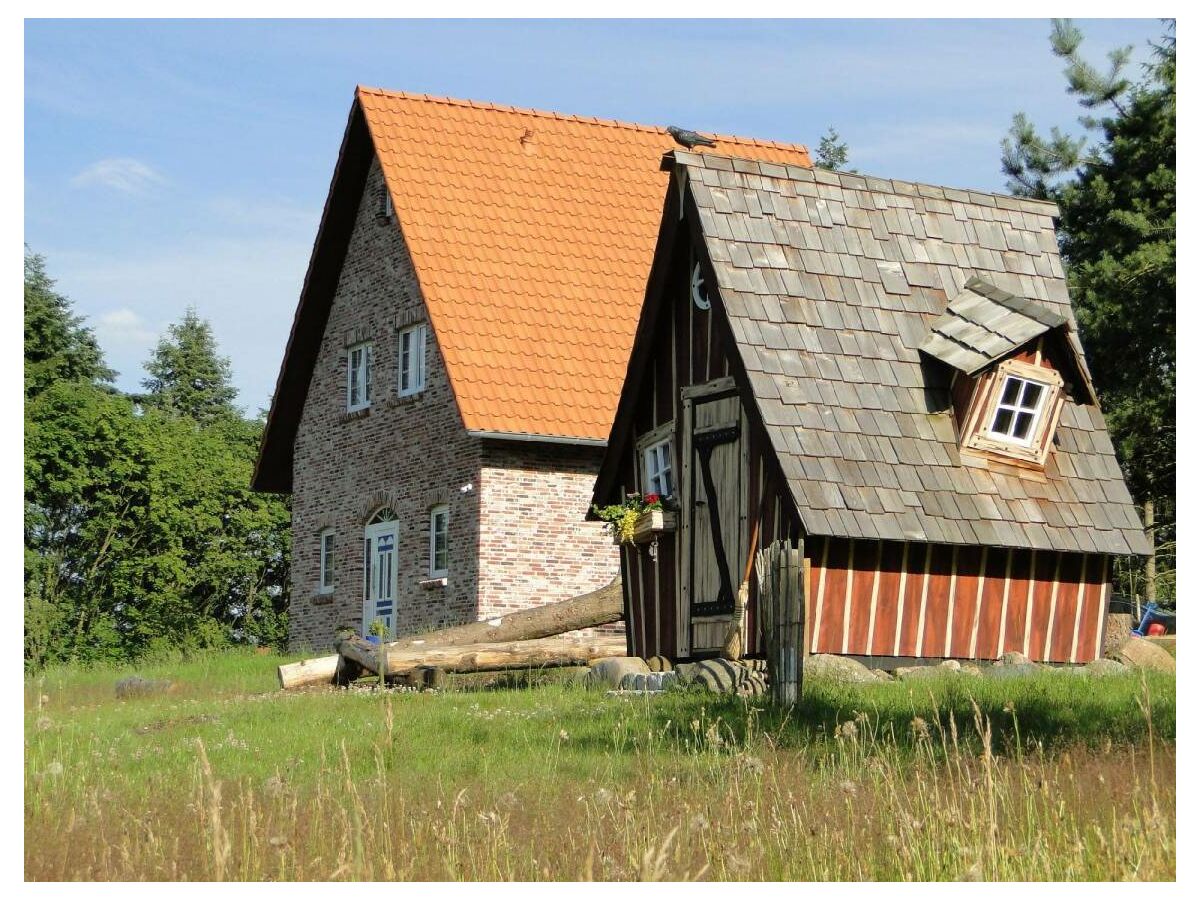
(539, 653)
(599, 607)
(322, 670)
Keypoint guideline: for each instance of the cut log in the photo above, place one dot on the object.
(322, 670)
(549, 652)
(600, 607)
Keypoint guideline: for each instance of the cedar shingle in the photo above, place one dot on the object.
(852, 421)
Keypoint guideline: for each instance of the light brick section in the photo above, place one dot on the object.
(536, 547)
(412, 453)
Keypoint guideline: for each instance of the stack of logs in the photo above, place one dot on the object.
(530, 638)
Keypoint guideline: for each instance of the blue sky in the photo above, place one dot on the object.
(170, 164)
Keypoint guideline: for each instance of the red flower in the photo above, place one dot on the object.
(651, 499)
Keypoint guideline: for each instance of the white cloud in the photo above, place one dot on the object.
(124, 329)
(125, 174)
(246, 287)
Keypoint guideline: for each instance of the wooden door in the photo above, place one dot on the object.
(714, 511)
(379, 554)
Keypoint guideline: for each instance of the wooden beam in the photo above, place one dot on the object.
(490, 657)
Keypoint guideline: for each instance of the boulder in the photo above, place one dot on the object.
(1014, 658)
(610, 672)
(1139, 653)
(916, 673)
(659, 664)
(837, 668)
(1102, 667)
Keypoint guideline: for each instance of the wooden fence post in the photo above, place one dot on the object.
(781, 588)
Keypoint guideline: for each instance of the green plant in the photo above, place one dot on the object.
(622, 517)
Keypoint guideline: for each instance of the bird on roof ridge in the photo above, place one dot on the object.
(689, 139)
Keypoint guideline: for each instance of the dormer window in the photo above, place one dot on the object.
(1017, 410)
(1014, 411)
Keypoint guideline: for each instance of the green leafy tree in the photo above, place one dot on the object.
(1115, 187)
(57, 346)
(141, 533)
(832, 152)
(187, 375)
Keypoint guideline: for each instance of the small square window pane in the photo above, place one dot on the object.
(1012, 389)
(1003, 421)
(1033, 393)
(1024, 420)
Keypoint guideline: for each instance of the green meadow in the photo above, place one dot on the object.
(1045, 777)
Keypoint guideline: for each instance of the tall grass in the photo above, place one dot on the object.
(225, 778)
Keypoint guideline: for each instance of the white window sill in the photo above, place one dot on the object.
(357, 413)
(439, 581)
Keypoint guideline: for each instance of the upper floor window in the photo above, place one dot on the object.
(326, 584)
(1014, 411)
(659, 477)
(412, 360)
(1017, 410)
(439, 532)
(358, 377)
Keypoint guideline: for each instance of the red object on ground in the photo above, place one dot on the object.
(1156, 629)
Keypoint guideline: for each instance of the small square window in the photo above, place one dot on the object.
(412, 360)
(326, 585)
(358, 377)
(439, 531)
(1017, 410)
(659, 478)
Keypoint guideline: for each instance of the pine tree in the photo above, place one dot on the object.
(187, 375)
(832, 152)
(57, 346)
(1117, 231)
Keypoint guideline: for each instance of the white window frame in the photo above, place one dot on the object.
(359, 373)
(657, 452)
(1017, 409)
(327, 543)
(441, 510)
(415, 368)
(977, 431)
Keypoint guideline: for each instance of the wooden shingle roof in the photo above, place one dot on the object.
(984, 324)
(831, 283)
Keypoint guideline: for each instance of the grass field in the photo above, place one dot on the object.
(1046, 777)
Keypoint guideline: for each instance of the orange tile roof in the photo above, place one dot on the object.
(532, 235)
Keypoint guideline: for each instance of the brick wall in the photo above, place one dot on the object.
(412, 453)
(407, 453)
(536, 547)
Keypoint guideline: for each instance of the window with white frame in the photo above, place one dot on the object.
(439, 530)
(658, 476)
(326, 585)
(358, 377)
(412, 360)
(1017, 410)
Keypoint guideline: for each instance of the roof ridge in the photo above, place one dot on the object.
(571, 117)
(859, 181)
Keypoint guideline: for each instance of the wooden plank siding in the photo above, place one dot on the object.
(864, 597)
(689, 349)
(883, 598)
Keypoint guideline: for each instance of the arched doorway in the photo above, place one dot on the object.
(379, 564)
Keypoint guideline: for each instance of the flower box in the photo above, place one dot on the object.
(650, 524)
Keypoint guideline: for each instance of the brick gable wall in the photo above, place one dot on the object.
(412, 453)
(407, 453)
